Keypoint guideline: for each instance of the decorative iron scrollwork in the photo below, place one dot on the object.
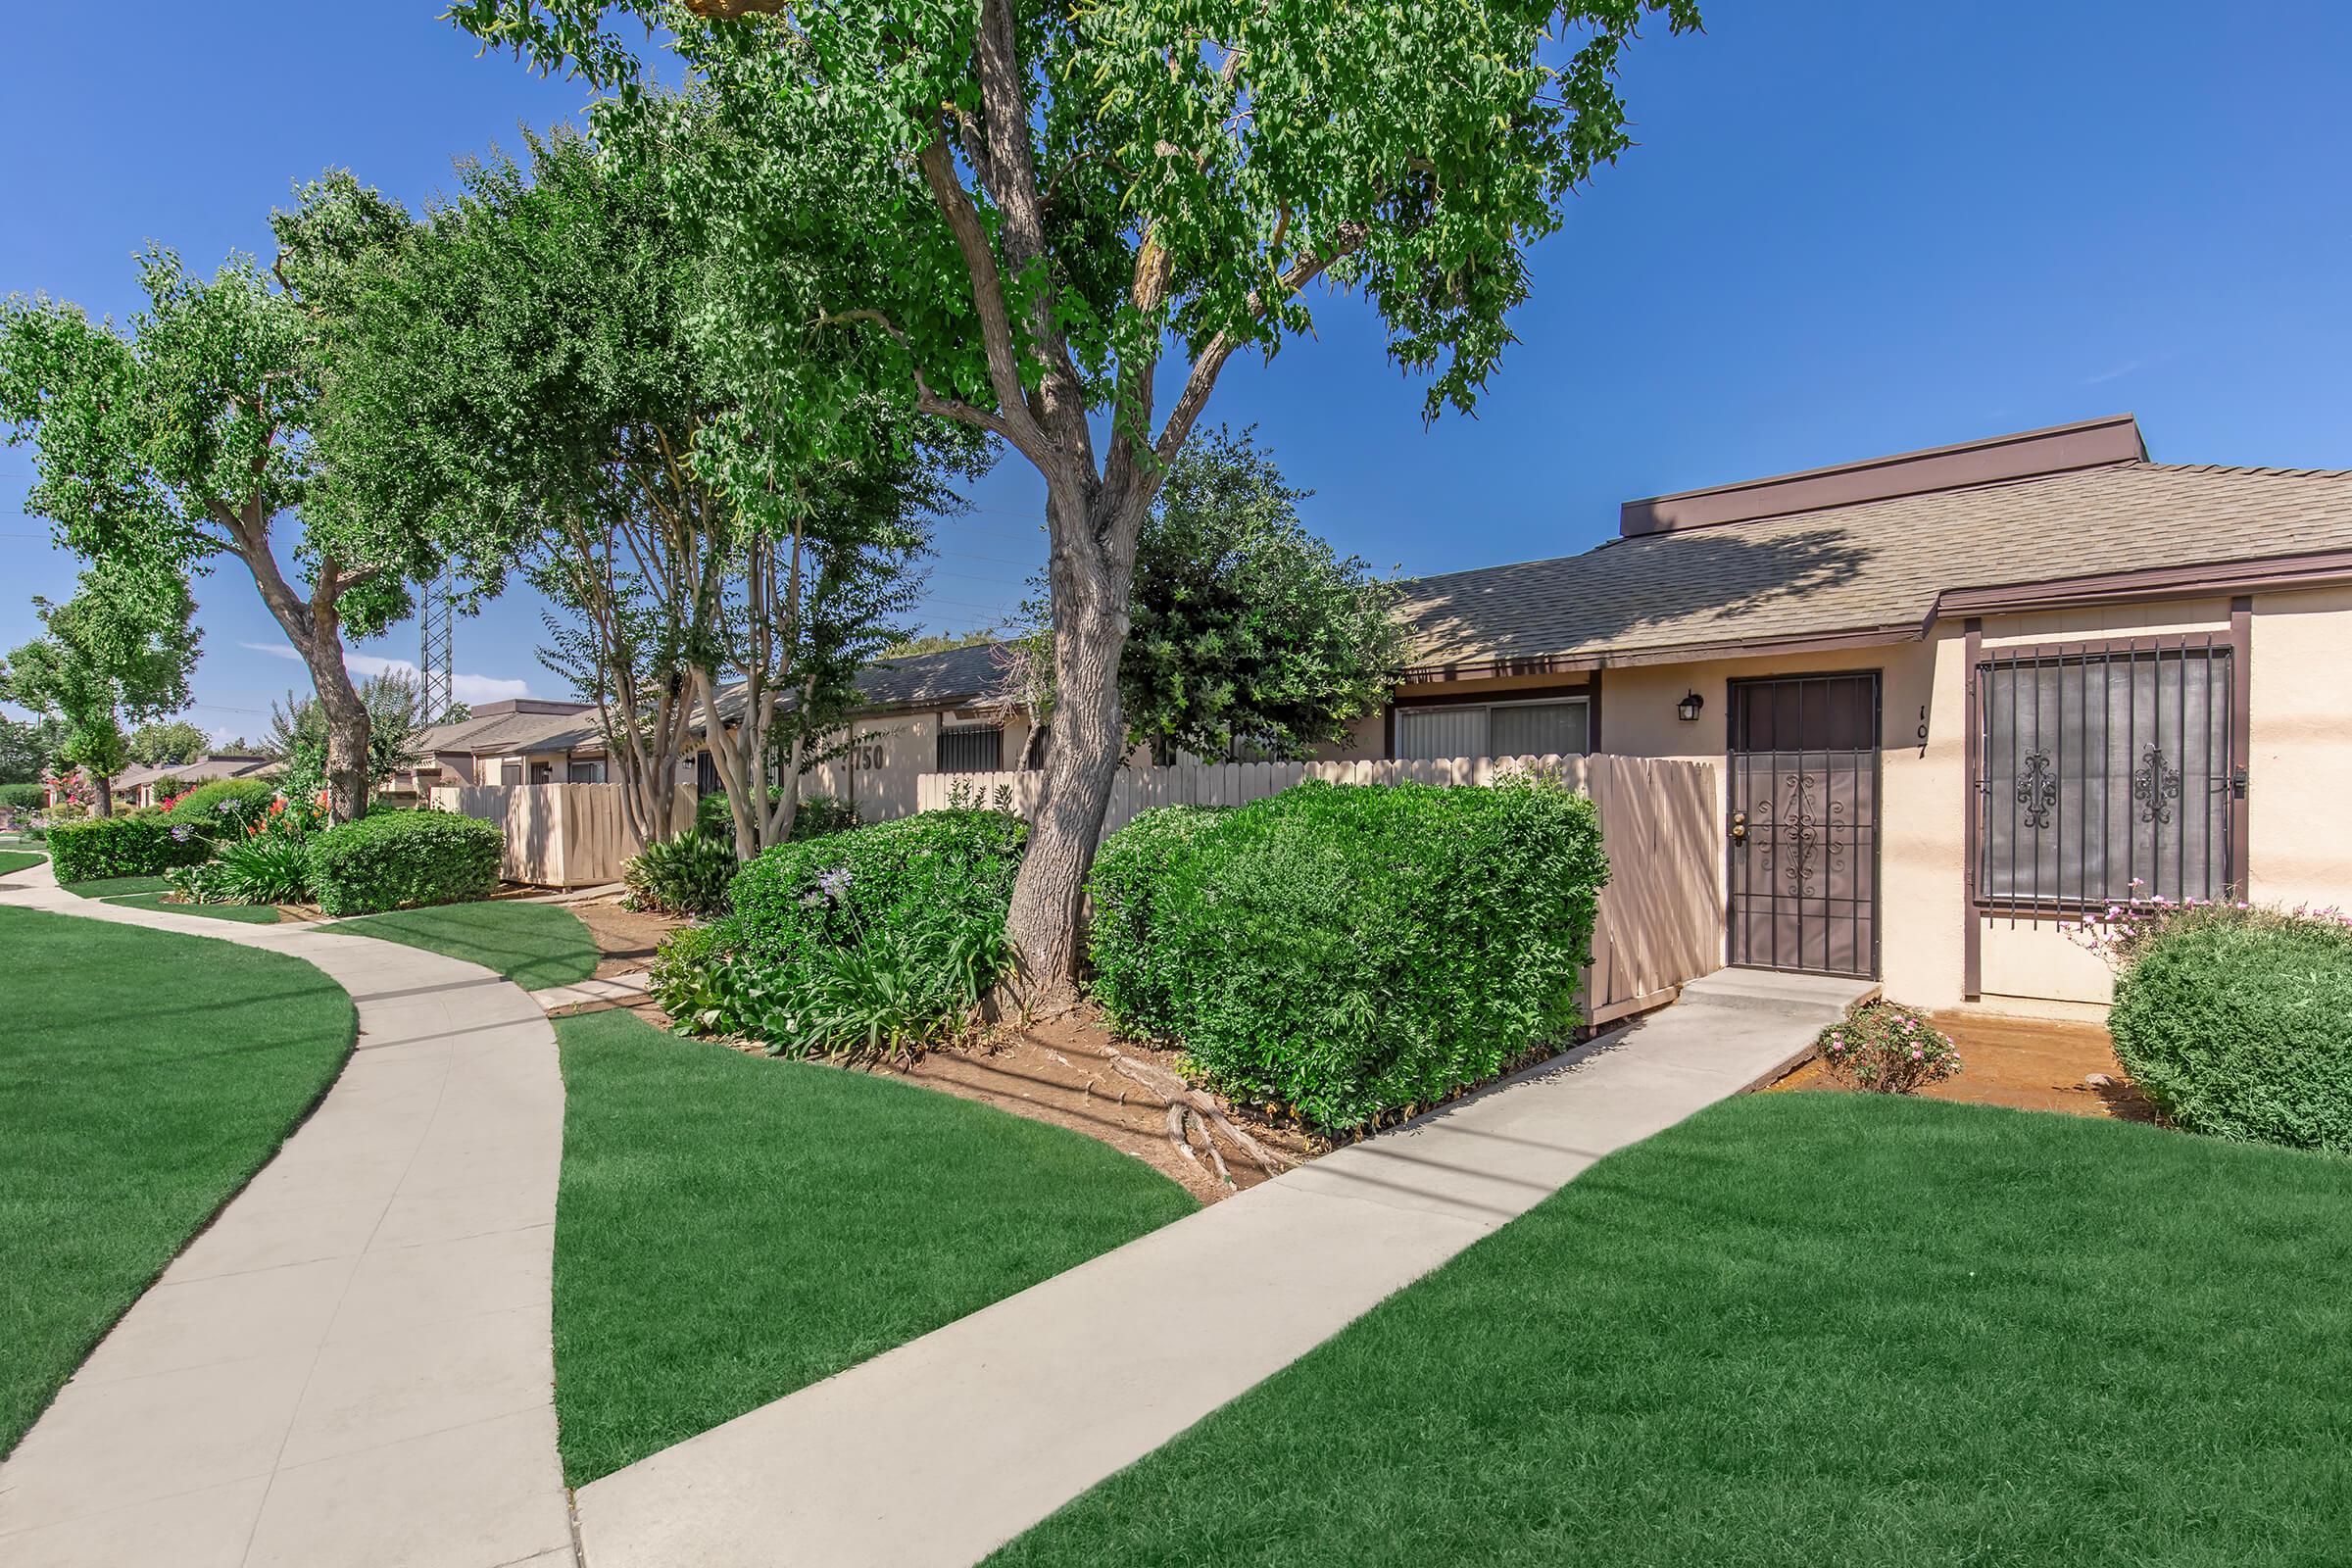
(1806, 832)
(2036, 791)
(2155, 786)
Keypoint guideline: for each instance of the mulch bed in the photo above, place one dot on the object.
(2024, 1063)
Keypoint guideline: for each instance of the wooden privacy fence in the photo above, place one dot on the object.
(1661, 915)
(558, 835)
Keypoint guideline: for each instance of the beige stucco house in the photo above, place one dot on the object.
(521, 740)
(1956, 698)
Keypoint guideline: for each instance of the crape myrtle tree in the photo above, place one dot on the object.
(120, 650)
(551, 357)
(298, 732)
(1251, 635)
(192, 432)
(1099, 200)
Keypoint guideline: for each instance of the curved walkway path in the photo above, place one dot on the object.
(352, 1365)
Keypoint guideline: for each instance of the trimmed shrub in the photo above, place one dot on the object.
(22, 796)
(816, 816)
(1346, 952)
(133, 844)
(401, 859)
(2238, 1024)
(223, 807)
(684, 875)
(862, 943)
(1886, 1048)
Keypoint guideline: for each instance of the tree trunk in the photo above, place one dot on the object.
(105, 806)
(348, 774)
(1092, 571)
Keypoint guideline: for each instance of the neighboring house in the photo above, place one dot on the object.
(149, 786)
(522, 740)
(1956, 698)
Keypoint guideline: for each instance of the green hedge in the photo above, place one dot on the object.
(24, 797)
(939, 867)
(122, 846)
(2239, 1025)
(1346, 951)
(224, 806)
(861, 944)
(401, 859)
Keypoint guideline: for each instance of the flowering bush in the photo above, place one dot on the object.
(864, 942)
(1887, 1048)
(2237, 1020)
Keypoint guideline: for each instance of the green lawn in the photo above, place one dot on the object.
(732, 1227)
(111, 887)
(249, 913)
(18, 860)
(533, 945)
(144, 1076)
(1805, 1330)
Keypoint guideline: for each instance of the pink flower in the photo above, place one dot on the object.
(1915, 1056)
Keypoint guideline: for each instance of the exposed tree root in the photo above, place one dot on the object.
(1189, 1110)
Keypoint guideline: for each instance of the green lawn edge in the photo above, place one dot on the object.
(248, 914)
(731, 1228)
(1812, 1329)
(145, 1076)
(114, 887)
(533, 945)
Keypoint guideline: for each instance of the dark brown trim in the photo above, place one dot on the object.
(2208, 579)
(2241, 743)
(1683, 654)
(2107, 647)
(1972, 929)
(1592, 716)
(2020, 455)
(1405, 697)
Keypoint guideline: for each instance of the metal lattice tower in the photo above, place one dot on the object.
(436, 630)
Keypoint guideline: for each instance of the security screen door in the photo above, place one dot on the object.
(1804, 823)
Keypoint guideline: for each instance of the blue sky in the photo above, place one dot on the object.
(1849, 230)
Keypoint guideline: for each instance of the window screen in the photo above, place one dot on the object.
(1424, 734)
(1506, 729)
(1539, 729)
(970, 749)
(590, 773)
(2105, 776)
(510, 772)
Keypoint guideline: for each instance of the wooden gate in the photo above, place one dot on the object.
(1804, 824)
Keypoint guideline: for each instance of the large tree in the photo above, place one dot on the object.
(551, 352)
(300, 730)
(119, 652)
(191, 432)
(1093, 200)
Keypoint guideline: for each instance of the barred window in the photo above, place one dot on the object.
(2105, 774)
(970, 749)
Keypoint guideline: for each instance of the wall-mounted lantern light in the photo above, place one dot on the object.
(1688, 708)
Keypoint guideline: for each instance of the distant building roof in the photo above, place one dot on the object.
(198, 770)
(516, 725)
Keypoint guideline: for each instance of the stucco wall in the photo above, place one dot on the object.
(2299, 768)
(891, 751)
(2300, 728)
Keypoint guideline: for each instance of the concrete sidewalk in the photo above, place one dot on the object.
(1010, 1413)
(353, 1364)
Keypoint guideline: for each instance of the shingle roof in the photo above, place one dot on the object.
(507, 734)
(1878, 564)
(196, 770)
